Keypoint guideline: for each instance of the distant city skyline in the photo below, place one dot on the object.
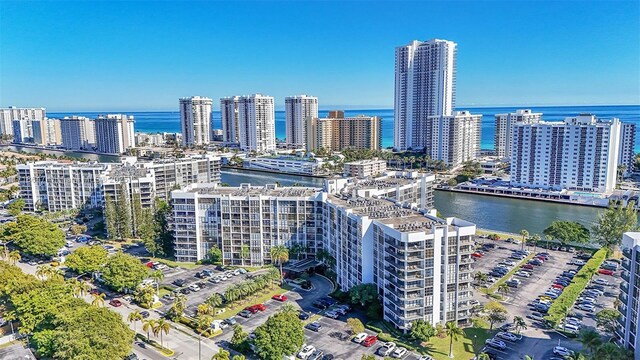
(569, 53)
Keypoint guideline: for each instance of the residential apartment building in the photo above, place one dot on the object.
(51, 131)
(580, 154)
(195, 118)
(504, 126)
(27, 131)
(627, 152)
(420, 264)
(339, 133)
(454, 138)
(288, 164)
(256, 123)
(628, 331)
(8, 115)
(364, 168)
(115, 133)
(78, 133)
(171, 174)
(229, 116)
(425, 85)
(298, 109)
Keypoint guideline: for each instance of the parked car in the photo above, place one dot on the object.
(536, 316)
(586, 307)
(303, 315)
(306, 351)
(279, 297)
(477, 255)
(601, 281)
(314, 326)
(332, 314)
(495, 343)
(179, 282)
(144, 314)
(369, 340)
(605, 272)
(245, 314)
(115, 302)
(527, 266)
(360, 338)
(230, 321)
(317, 355)
(507, 336)
(386, 349)
(398, 353)
(523, 274)
(562, 351)
(319, 304)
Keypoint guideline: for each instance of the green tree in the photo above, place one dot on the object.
(78, 229)
(221, 355)
(503, 289)
(33, 235)
(214, 255)
(608, 320)
(519, 323)
(136, 214)
(123, 212)
(567, 231)
(363, 294)
(590, 339)
(148, 325)
(215, 300)
(110, 218)
(134, 317)
(279, 255)
(422, 330)
(16, 207)
(239, 339)
(164, 233)
(282, 334)
(453, 332)
(612, 223)
(147, 231)
(157, 276)
(367, 357)
(144, 295)
(123, 271)
(14, 257)
(244, 253)
(355, 325)
(238, 357)
(162, 326)
(87, 259)
(495, 313)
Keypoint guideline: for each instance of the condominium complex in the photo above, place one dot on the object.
(580, 153)
(628, 330)
(27, 131)
(8, 115)
(424, 86)
(51, 131)
(195, 118)
(504, 126)
(256, 123)
(229, 117)
(286, 164)
(379, 231)
(365, 168)
(297, 110)
(454, 138)
(627, 152)
(78, 133)
(114, 133)
(55, 186)
(339, 133)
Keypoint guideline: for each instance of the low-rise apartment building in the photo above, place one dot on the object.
(364, 168)
(287, 164)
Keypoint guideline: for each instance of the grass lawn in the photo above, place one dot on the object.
(236, 307)
(503, 235)
(174, 264)
(464, 348)
(163, 292)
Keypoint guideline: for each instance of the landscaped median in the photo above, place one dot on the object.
(503, 279)
(561, 306)
(163, 350)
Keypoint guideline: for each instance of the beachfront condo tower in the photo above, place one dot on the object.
(256, 123)
(297, 110)
(504, 127)
(195, 117)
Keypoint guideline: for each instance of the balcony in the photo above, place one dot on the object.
(624, 287)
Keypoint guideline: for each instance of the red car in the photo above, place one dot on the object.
(255, 308)
(369, 340)
(477, 255)
(115, 302)
(527, 266)
(94, 292)
(279, 297)
(557, 286)
(605, 272)
(541, 258)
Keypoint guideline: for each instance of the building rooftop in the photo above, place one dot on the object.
(248, 190)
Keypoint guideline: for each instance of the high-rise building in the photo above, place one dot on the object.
(627, 147)
(424, 86)
(229, 117)
(335, 134)
(580, 154)
(78, 133)
(504, 127)
(628, 330)
(25, 131)
(195, 117)
(298, 109)
(8, 115)
(114, 133)
(256, 123)
(51, 131)
(454, 138)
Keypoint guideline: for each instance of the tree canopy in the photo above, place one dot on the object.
(612, 223)
(608, 319)
(567, 231)
(123, 271)
(87, 259)
(495, 313)
(363, 294)
(16, 207)
(282, 334)
(422, 330)
(33, 235)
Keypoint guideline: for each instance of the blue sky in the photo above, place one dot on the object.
(144, 55)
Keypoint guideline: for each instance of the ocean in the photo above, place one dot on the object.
(169, 121)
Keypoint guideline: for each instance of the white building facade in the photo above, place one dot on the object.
(114, 133)
(425, 81)
(256, 123)
(504, 127)
(229, 117)
(11, 113)
(298, 109)
(195, 118)
(627, 153)
(454, 138)
(78, 133)
(580, 154)
(628, 330)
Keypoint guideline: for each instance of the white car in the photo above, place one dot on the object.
(601, 281)
(494, 343)
(399, 352)
(562, 351)
(572, 320)
(359, 338)
(306, 351)
(332, 314)
(194, 287)
(586, 307)
(523, 274)
(386, 349)
(425, 357)
(507, 336)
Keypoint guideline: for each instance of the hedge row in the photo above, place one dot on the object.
(571, 293)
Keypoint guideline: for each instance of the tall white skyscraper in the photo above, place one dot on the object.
(580, 154)
(628, 330)
(297, 109)
(114, 133)
(195, 117)
(78, 133)
(504, 127)
(229, 117)
(454, 138)
(627, 152)
(256, 123)
(424, 86)
(8, 115)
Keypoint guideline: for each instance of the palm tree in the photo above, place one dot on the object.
(14, 257)
(535, 238)
(204, 309)
(43, 271)
(231, 294)
(157, 276)
(503, 289)
(524, 234)
(161, 326)
(575, 356)
(98, 299)
(453, 332)
(215, 300)
(480, 277)
(288, 308)
(148, 326)
(483, 356)
(519, 323)
(590, 339)
(548, 238)
(280, 255)
(134, 317)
